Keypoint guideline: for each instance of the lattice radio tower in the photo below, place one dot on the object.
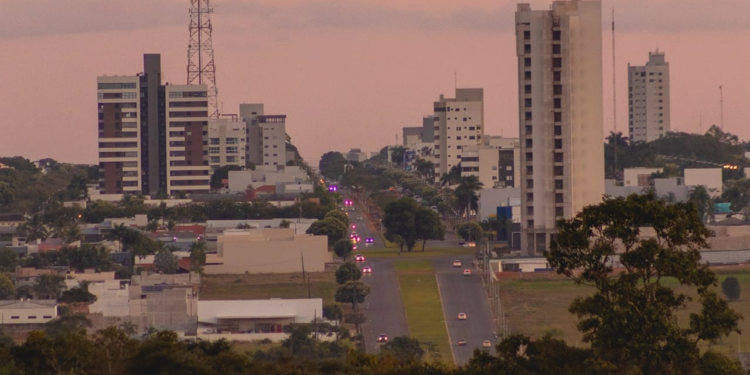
(201, 68)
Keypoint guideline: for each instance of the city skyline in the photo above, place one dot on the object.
(295, 58)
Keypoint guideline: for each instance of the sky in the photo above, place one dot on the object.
(347, 73)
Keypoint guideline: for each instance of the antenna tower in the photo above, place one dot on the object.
(201, 69)
(721, 103)
(614, 91)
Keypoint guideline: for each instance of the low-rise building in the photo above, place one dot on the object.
(265, 176)
(257, 316)
(27, 312)
(269, 250)
(639, 176)
(710, 178)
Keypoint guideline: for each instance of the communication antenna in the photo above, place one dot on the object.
(614, 91)
(201, 69)
(700, 123)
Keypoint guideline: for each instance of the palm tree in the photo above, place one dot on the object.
(72, 233)
(35, 229)
(426, 151)
(198, 256)
(78, 188)
(617, 138)
(150, 332)
(466, 194)
(48, 286)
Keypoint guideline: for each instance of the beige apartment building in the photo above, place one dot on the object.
(494, 161)
(151, 134)
(559, 54)
(266, 135)
(226, 143)
(648, 99)
(458, 122)
(270, 250)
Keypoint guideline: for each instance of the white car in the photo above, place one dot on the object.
(486, 344)
(467, 272)
(461, 316)
(456, 263)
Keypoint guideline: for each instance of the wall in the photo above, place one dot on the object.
(27, 312)
(270, 251)
(631, 175)
(303, 310)
(490, 199)
(112, 300)
(708, 177)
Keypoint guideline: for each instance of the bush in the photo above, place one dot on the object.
(731, 288)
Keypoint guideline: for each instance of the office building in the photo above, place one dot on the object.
(458, 122)
(266, 135)
(494, 161)
(226, 143)
(559, 54)
(151, 135)
(648, 99)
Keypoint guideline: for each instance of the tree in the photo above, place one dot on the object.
(78, 294)
(72, 233)
(428, 226)
(332, 164)
(35, 228)
(348, 272)
(78, 188)
(165, 261)
(333, 228)
(333, 311)
(470, 231)
(285, 224)
(198, 256)
(88, 256)
(48, 286)
(353, 292)
(399, 221)
(6, 194)
(466, 194)
(343, 248)
(340, 216)
(66, 324)
(8, 260)
(405, 348)
(699, 197)
(731, 288)
(631, 318)
(7, 288)
(222, 173)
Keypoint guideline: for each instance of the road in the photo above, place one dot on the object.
(464, 294)
(383, 307)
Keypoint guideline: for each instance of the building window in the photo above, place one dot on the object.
(558, 116)
(529, 184)
(558, 198)
(14, 317)
(215, 159)
(529, 156)
(231, 141)
(557, 90)
(129, 95)
(529, 197)
(530, 223)
(48, 317)
(32, 316)
(215, 141)
(558, 184)
(529, 169)
(558, 157)
(231, 159)
(556, 49)
(527, 102)
(232, 150)
(528, 129)
(527, 62)
(528, 143)
(558, 144)
(558, 130)
(556, 35)
(558, 211)
(214, 150)
(558, 171)
(528, 116)
(530, 210)
(558, 103)
(527, 35)
(527, 76)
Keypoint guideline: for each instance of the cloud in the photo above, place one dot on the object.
(57, 17)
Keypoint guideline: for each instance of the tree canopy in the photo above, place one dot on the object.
(331, 227)
(331, 165)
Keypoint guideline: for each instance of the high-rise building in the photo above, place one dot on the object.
(151, 135)
(226, 143)
(266, 135)
(458, 122)
(560, 115)
(648, 99)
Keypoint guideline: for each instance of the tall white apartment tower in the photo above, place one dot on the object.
(459, 122)
(648, 99)
(560, 115)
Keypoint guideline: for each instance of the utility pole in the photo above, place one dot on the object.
(721, 104)
(302, 256)
(614, 91)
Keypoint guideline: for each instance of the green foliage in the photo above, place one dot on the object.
(353, 292)
(35, 229)
(8, 260)
(404, 348)
(470, 231)
(731, 288)
(331, 165)
(333, 228)
(87, 256)
(340, 216)
(285, 224)
(428, 226)
(48, 286)
(7, 288)
(66, 325)
(165, 261)
(333, 311)
(348, 272)
(466, 194)
(198, 256)
(631, 320)
(343, 248)
(399, 220)
(6, 194)
(222, 173)
(78, 294)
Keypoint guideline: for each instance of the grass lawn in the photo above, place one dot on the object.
(424, 312)
(417, 252)
(265, 286)
(538, 305)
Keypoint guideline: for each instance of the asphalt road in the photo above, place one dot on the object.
(383, 307)
(464, 294)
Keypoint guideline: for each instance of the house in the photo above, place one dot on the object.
(27, 312)
(11, 220)
(257, 316)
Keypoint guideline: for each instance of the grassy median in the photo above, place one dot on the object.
(424, 312)
(417, 252)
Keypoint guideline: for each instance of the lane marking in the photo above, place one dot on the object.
(442, 304)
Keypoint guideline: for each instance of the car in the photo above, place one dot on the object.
(467, 272)
(360, 218)
(486, 344)
(382, 338)
(462, 342)
(461, 316)
(369, 240)
(367, 269)
(461, 242)
(359, 258)
(456, 263)
(354, 247)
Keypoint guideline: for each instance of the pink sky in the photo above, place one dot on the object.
(348, 73)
